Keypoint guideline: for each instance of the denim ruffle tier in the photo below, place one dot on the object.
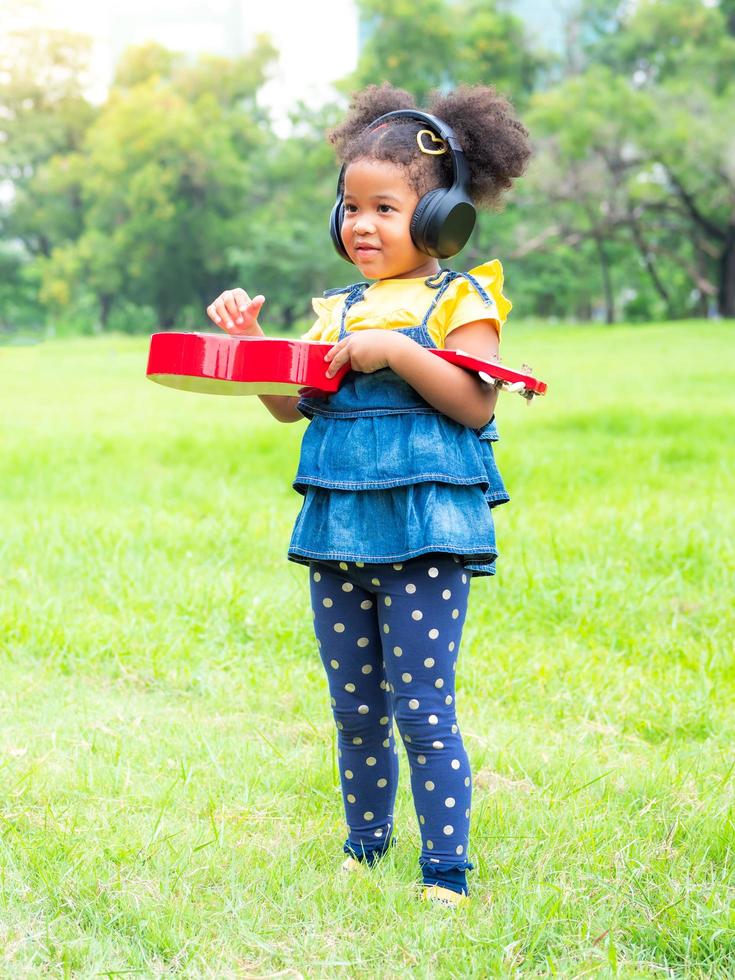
(386, 477)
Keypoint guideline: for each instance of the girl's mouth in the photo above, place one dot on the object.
(366, 249)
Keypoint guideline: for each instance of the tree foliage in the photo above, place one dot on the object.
(419, 45)
(166, 172)
(135, 213)
(650, 113)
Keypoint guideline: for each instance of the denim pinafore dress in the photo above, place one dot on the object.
(387, 477)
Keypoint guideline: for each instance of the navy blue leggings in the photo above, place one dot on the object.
(389, 638)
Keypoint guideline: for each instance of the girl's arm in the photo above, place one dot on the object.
(454, 391)
(457, 393)
(282, 407)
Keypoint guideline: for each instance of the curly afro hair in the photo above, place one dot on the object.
(495, 144)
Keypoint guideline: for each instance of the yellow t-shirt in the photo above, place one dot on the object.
(392, 303)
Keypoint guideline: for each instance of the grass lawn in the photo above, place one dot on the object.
(169, 798)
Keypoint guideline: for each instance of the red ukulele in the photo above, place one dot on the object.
(221, 364)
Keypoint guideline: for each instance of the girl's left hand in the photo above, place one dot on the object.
(365, 350)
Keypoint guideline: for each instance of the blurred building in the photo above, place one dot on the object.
(544, 20)
(190, 26)
(317, 42)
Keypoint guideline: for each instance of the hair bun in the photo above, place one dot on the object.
(495, 144)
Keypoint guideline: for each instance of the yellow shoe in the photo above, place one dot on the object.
(443, 896)
(351, 864)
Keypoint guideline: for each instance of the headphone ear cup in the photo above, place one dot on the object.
(454, 219)
(422, 227)
(335, 229)
(442, 223)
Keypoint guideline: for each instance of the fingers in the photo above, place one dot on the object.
(213, 314)
(226, 307)
(338, 356)
(244, 303)
(240, 301)
(249, 309)
(235, 312)
(223, 311)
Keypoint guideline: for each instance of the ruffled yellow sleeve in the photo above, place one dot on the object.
(329, 312)
(462, 303)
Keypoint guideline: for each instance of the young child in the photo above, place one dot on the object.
(397, 469)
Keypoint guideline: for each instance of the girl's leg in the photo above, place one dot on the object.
(347, 632)
(421, 619)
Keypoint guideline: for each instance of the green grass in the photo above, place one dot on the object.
(169, 801)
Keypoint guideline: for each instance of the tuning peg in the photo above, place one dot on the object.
(493, 382)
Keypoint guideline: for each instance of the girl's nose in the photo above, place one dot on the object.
(363, 226)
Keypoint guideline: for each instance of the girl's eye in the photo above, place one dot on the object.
(382, 208)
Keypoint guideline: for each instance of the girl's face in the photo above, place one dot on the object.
(379, 205)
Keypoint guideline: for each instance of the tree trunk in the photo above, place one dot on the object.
(106, 301)
(726, 291)
(648, 261)
(606, 281)
(288, 315)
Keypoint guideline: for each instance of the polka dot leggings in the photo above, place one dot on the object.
(389, 638)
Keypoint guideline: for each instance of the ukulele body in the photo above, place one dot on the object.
(221, 364)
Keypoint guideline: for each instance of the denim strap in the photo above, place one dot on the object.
(443, 280)
(440, 281)
(419, 333)
(354, 295)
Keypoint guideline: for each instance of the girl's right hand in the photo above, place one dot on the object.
(236, 313)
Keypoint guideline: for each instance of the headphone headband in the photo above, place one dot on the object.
(460, 170)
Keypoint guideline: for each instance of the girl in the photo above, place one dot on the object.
(397, 468)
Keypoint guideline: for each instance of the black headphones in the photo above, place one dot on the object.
(444, 218)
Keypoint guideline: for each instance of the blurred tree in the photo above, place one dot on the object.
(18, 303)
(165, 181)
(143, 62)
(649, 110)
(576, 188)
(681, 54)
(43, 109)
(728, 9)
(409, 43)
(289, 256)
(423, 44)
(47, 210)
(494, 49)
(177, 188)
(44, 116)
